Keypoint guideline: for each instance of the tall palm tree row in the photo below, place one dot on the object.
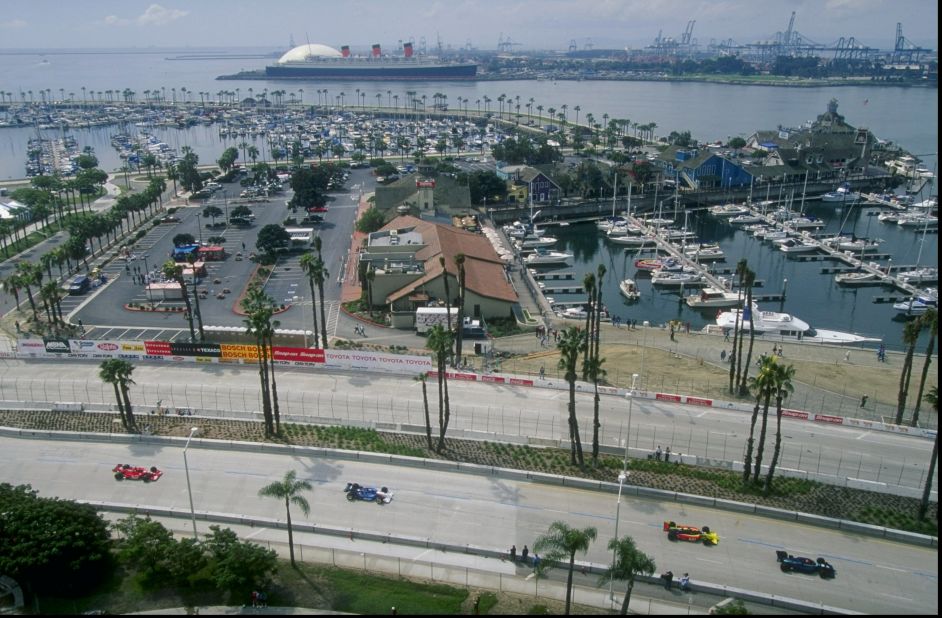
(459, 335)
(118, 372)
(782, 380)
(932, 398)
(560, 544)
(570, 344)
(910, 337)
(761, 386)
(749, 279)
(440, 341)
(740, 315)
(307, 263)
(260, 308)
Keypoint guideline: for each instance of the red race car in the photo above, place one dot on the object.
(680, 532)
(136, 473)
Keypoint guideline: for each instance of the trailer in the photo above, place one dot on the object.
(427, 317)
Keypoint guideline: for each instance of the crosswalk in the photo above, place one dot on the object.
(331, 312)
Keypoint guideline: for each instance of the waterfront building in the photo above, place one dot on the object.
(405, 257)
(526, 184)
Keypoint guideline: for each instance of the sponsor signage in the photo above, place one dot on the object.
(697, 401)
(521, 382)
(161, 348)
(195, 349)
(666, 397)
(305, 355)
(795, 414)
(377, 361)
(463, 376)
(824, 418)
(132, 346)
(107, 346)
(54, 345)
(495, 379)
(235, 350)
(81, 345)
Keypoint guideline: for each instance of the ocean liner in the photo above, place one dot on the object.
(315, 61)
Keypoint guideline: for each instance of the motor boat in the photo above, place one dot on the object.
(668, 264)
(728, 210)
(805, 222)
(857, 278)
(774, 235)
(918, 220)
(855, 245)
(532, 242)
(671, 234)
(796, 245)
(542, 256)
(743, 219)
(919, 275)
(705, 253)
(772, 324)
(629, 290)
(711, 296)
(841, 194)
(676, 279)
(890, 216)
(634, 241)
(918, 304)
(574, 313)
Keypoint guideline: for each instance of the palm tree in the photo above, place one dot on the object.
(761, 388)
(27, 279)
(459, 262)
(741, 314)
(910, 337)
(320, 276)
(597, 327)
(307, 262)
(930, 320)
(629, 562)
(749, 278)
(782, 380)
(561, 542)
(596, 373)
(569, 346)
(588, 284)
(932, 398)
(118, 372)
(771, 366)
(289, 489)
(439, 341)
(423, 378)
(441, 261)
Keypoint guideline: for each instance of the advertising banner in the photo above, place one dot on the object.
(299, 355)
(238, 351)
(824, 418)
(377, 361)
(31, 348)
(195, 349)
(697, 401)
(795, 414)
(666, 397)
(56, 345)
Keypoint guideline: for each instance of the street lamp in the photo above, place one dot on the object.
(622, 477)
(187, 469)
(150, 294)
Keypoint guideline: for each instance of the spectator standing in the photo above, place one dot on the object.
(685, 582)
(668, 579)
(524, 554)
(657, 453)
(513, 553)
(667, 454)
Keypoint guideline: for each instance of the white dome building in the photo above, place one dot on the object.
(310, 50)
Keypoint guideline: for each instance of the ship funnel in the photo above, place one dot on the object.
(407, 49)
(376, 51)
(345, 51)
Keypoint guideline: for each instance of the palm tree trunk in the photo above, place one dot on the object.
(778, 444)
(320, 289)
(903, 384)
(274, 388)
(733, 356)
(117, 396)
(752, 338)
(317, 335)
(759, 451)
(922, 379)
(747, 466)
(428, 420)
(624, 602)
(572, 566)
(440, 365)
(128, 409)
(263, 380)
(595, 425)
(924, 504)
(290, 531)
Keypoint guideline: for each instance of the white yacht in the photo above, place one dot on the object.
(634, 241)
(705, 253)
(862, 277)
(532, 242)
(919, 275)
(796, 245)
(629, 290)
(728, 210)
(918, 220)
(676, 279)
(773, 235)
(783, 326)
(805, 222)
(711, 296)
(920, 303)
(542, 256)
(841, 194)
(849, 243)
(743, 219)
(890, 216)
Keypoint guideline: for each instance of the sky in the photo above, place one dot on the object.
(531, 24)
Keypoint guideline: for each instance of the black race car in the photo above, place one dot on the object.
(805, 565)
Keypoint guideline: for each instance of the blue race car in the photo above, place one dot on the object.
(355, 491)
(805, 565)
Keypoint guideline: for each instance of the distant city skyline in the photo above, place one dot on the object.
(529, 24)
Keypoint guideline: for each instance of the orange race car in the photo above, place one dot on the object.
(680, 532)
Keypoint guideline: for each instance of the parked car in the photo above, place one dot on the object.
(79, 285)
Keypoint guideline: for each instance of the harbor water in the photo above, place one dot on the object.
(905, 116)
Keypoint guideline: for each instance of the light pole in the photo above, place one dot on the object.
(150, 294)
(187, 469)
(622, 477)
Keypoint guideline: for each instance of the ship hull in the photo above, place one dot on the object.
(377, 72)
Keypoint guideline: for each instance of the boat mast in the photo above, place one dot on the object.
(803, 188)
(614, 193)
(628, 212)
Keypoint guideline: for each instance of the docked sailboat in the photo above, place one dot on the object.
(840, 195)
(676, 279)
(745, 218)
(634, 241)
(728, 210)
(796, 245)
(705, 253)
(919, 275)
(857, 278)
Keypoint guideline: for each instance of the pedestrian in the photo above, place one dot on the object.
(847, 356)
(254, 598)
(667, 454)
(542, 371)
(243, 246)
(18, 327)
(394, 611)
(668, 579)
(881, 353)
(725, 334)
(687, 328)
(723, 356)
(672, 331)
(513, 553)
(657, 453)
(262, 599)
(685, 582)
(863, 401)
(524, 554)
(536, 561)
